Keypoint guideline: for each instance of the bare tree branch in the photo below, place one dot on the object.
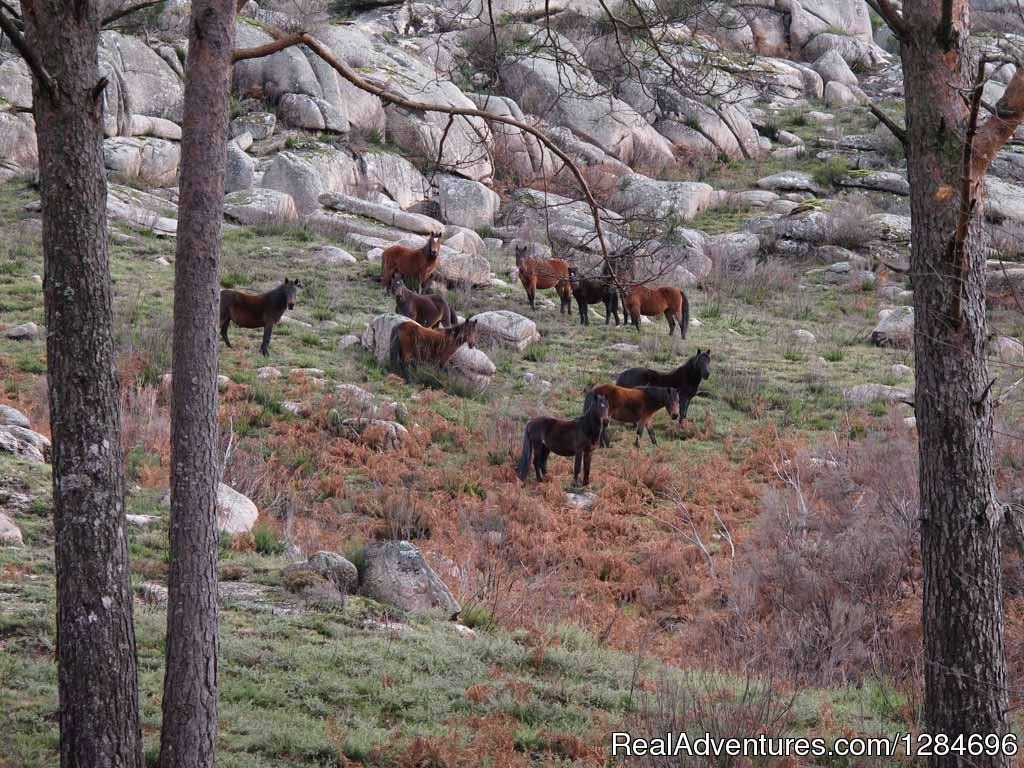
(894, 128)
(892, 17)
(118, 15)
(1000, 125)
(43, 77)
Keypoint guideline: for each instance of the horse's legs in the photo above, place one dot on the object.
(531, 292)
(684, 406)
(265, 346)
(639, 432)
(605, 440)
(540, 462)
(636, 320)
(577, 463)
(224, 331)
(587, 455)
(650, 434)
(671, 317)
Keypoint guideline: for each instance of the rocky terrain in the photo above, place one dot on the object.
(383, 573)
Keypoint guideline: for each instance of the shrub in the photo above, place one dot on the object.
(830, 171)
(266, 542)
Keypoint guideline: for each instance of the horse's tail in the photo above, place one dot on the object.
(395, 349)
(447, 316)
(684, 322)
(523, 467)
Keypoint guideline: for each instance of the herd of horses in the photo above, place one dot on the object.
(433, 334)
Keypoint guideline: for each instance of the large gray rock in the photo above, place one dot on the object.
(569, 96)
(23, 332)
(1004, 201)
(833, 68)
(10, 533)
(895, 328)
(331, 567)
(157, 127)
(880, 181)
(839, 95)
(518, 151)
(377, 336)
(789, 181)
(855, 52)
(462, 268)
(236, 514)
(24, 443)
(259, 125)
(503, 328)
(891, 227)
(863, 394)
(396, 574)
(385, 214)
(152, 162)
(471, 369)
(12, 417)
(18, 139)
(260, 206)
(813, 17)
(140, 83)
(392, 175)
(307, 174)
(640, 196)
(240, 168)
(467, 203)
(311, 113)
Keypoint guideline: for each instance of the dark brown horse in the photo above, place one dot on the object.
(429, 310)
(419, 263)
(537, 274)
(411, 341)
(545, 435)
(256, 310)
(636, 405)
(685, 379)
(594, 290)
(670, 302)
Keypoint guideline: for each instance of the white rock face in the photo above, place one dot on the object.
(639, 195)
(895, 328)
(260, 206)
(12, 417)
(153, 162)
(862, 394)
(377, 336)
(236, 514)
(24, 443)
(396, 574)
(333, 256)
(801, 336)
(502, 328)
(467, 203)
(10, 533)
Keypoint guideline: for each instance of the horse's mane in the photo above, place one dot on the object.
(277, 297)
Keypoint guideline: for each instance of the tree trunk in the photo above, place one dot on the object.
(965, 672)
(97, 676)
(190, 685)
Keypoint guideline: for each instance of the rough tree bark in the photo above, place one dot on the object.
(190, 683)
(97, 673)
(965, 672)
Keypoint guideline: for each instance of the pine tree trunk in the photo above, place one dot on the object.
(190, 685)
(965, 673)
(97, 675)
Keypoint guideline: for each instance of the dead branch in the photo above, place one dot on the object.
(1000, 126)
(118, 15)
(45, 80)
(893, 19)
(896, 130)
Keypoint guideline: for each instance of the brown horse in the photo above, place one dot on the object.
(544, 273)
(252, 310)
(545, 435)
(636, 405)
(411, 341)
(685, 379)
(670, 302)
(429, 310)
(410, 262)
(595, 290)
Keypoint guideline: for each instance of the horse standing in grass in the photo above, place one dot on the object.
(411, 341)
(256, 310)
(636, 405)
(594, 290)
(545, 435)
(429, 310)
(686, 378)
(537, 274)
(410, 262)
(670, 302)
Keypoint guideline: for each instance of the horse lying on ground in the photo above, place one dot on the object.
(545, 435)
(686, 378)
(594, 290)
(636, 405)
(412, 342)
(544, 273)
(670, 302)
(418, 263)
(429, 310)
(256, 310)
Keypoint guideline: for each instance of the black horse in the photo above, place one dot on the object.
(545, 435)
(686, 378)
(594, 290)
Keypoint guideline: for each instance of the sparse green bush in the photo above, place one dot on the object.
(266, 542)
(830, 171)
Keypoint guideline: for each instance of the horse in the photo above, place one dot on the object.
(419, 262)
(545, 435)
(636, 405)
(594, 290)
(670, 302)
(544, 273)
(429, 310)
(411, 341)
(256, 310)
(686, 378)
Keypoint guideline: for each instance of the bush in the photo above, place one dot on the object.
(849, 225)
(266, 542)
(830, 171)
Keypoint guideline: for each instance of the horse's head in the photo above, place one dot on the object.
(434, 245)
(672, 403)
(397, 286)
(574, 276)
(466, 333)
(702, 362)
(522, 251)
(597, 406)
(291, 287)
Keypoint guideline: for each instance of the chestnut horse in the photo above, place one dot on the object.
(410, 262)
(685, 379)
(670, 302)
(594, 290)
(636, 405)
(544, 435)
(411, 341)
(537, 274)
(429, 310)
(256, 310)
